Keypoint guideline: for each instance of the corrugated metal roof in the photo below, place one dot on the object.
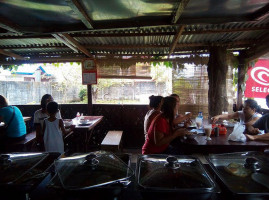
(131, 26)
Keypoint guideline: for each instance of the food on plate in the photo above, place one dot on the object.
(191, 135)
(237, 170)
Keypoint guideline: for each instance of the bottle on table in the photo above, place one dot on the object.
(78, 116)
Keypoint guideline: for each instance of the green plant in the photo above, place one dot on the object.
(82, 94)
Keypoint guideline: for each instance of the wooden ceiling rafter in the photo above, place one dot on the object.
(245, 43)
(59, 38)
(181, 6)
(155, 33)
(81, 13)
(9, 26)
(76, 44)
(258, 50)
(79, 59)
(10, 54)
(260, 13)
(175, 39)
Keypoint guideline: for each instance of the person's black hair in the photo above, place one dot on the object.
(44, 101)
(3, 102)
(168, 106)
(52, 107)
(253, 104)
(174, 95)
(154, 101)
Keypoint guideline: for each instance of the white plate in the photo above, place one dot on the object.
(198, 131)
(80, 124)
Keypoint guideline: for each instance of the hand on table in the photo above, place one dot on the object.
(250, 137)
(255, 131)
(181, 132)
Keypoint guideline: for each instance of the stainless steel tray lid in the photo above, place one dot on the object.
(91, 170)
(14, 165)
(172, 173)
(238, 171)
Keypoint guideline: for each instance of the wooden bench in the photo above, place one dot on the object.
(112, 141)
(24, 145)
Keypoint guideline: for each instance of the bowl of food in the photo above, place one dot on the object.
(83, 121)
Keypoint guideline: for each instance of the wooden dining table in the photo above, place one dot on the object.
(26, 119)
(219, 144)
(84, 131)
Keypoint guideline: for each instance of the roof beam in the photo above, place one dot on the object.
(259, 13)
(7, 53)
(259, 50)
(102, 34)
(9, 26)
(180, 9)
(107, 47)
(79, 10)
(59, 38)
(175, 39)
(74, 59)
(76, 44)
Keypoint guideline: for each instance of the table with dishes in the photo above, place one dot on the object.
(83, 128)
(200, 143)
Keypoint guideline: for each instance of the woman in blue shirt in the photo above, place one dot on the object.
(12, 117)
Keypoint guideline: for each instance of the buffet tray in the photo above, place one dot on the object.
(235, 186)
(56, 184)
(188, 180)
(33, 176)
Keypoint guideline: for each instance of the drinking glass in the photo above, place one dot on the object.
(208, 129)
(198, 122)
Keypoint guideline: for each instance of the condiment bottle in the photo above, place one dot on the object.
(216, 131)
(78, 116)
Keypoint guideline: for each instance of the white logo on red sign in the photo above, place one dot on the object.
(259, 73)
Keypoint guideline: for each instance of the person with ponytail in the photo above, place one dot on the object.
(161, 131)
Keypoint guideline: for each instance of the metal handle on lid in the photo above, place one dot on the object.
(91, 160)
(172, 162)
(5, 159)
(252, 164)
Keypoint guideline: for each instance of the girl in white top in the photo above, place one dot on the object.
(53, 130)
(248, 116)
(39, 117)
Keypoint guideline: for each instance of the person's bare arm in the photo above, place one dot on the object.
(39, 133)
(181, 118)
(43, 130)
(251, 130)
(225, 116)
(64, 131)
(252, 121)
(258, 137)
(162, 139)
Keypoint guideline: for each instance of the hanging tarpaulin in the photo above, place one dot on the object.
(89, 72)
(257, 84)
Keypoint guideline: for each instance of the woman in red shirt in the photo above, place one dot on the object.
(161, 131)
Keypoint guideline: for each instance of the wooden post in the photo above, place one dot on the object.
(89, 92)
(217, 71)
(242, 70)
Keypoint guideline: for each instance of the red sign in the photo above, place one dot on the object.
(89, 72)
(257, 84)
